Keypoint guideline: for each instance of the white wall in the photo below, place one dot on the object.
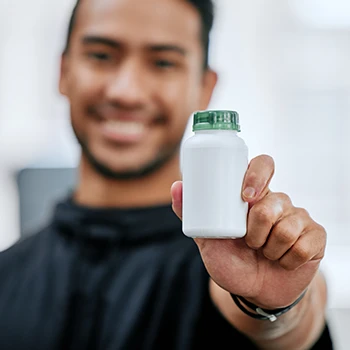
(283, 66)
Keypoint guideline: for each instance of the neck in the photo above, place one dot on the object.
(95, 190)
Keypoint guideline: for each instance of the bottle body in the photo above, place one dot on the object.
(213, 169)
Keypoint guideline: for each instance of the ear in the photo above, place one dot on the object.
(63, 82)
(210, 79)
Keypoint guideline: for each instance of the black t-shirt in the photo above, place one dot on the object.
(111, 279)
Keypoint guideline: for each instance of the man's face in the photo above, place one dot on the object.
(133, 75)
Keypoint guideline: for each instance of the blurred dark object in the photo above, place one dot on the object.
(39, 189)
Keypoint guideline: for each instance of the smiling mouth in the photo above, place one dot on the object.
(124, 127)
(124, 131)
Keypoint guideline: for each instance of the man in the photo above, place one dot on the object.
(113, 269)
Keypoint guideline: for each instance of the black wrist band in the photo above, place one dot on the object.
(263, 314)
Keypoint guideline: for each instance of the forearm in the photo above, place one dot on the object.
(297, 329)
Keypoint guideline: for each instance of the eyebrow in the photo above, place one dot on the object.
(100, 40)
(90, 39)
(168, 48)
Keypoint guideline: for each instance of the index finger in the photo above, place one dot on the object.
(257, 178)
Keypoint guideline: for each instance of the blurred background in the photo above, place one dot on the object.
(283, 65)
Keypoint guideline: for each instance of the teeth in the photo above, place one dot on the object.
(125, 127)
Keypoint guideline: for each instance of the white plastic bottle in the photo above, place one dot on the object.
(214, 162)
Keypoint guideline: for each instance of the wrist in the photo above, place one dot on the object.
(262, 313)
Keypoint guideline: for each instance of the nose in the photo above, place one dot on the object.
(127, 86)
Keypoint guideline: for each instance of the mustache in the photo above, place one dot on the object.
(114, 108)
(102, 111)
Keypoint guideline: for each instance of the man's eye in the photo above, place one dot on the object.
(99, 56)
(164, 64)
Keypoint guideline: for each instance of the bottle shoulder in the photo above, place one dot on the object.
(215, 139)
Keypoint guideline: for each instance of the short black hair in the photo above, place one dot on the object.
(204, 7)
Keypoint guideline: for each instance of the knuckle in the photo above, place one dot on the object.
(287, 265)
(301, 212)
(322, 230)
(286, 235)
(262, 213)
(253, 242)
(321, 254)
(300, 253)
(269, 254)
(282, 197)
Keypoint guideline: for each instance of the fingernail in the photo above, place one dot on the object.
(249, 192)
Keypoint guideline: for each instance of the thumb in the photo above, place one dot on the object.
(176, 195)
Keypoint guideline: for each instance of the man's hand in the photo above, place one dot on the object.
(280, 253)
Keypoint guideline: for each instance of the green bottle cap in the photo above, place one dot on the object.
(216, 120)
